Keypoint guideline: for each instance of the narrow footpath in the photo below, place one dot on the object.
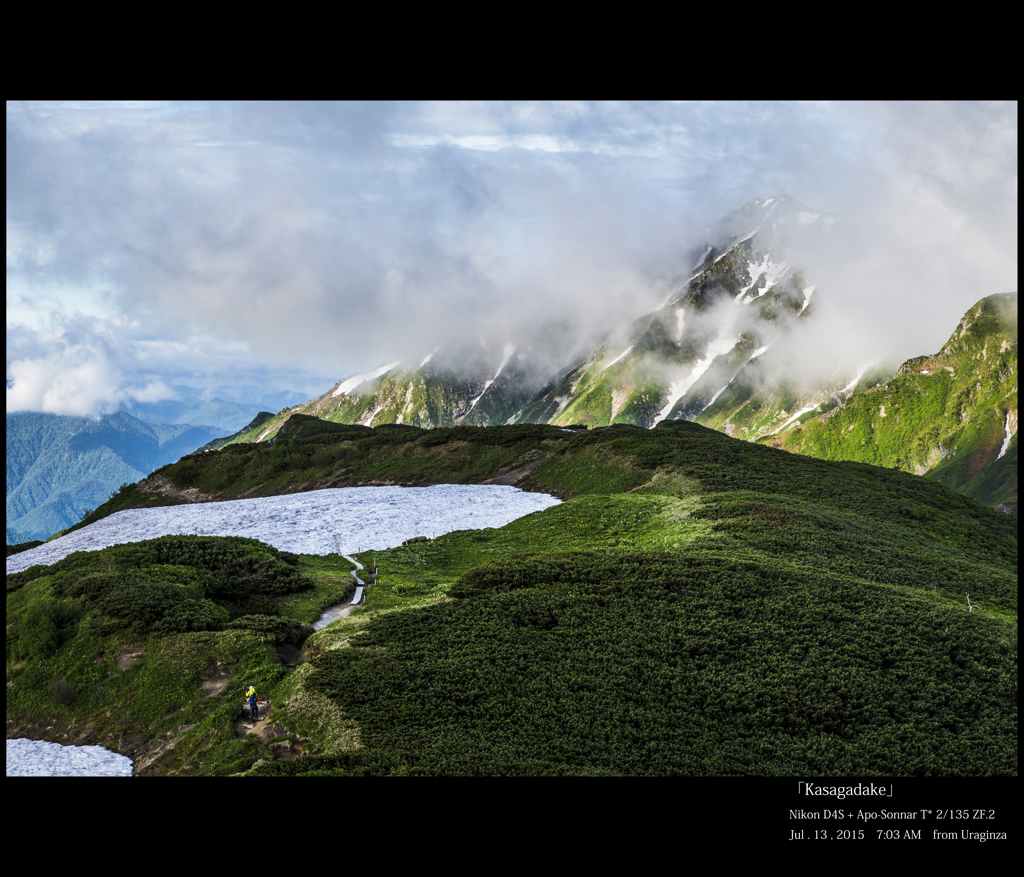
(262, 727)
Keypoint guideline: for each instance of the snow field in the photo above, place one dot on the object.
(347, 386)
(337, 520)
(38, 758)
(617, 358)
(721, 345)
(796, 416)
(509, 350)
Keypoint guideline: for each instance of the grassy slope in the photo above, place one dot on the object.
(943, 415)
(193, 608)
(700, 605)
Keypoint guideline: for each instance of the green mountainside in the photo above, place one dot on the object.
(946, 415)
(952, 415)
(717, 352)
(698, 606)
(60, 466)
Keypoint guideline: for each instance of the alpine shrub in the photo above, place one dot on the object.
(45, 628)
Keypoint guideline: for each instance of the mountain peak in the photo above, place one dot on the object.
(775, 220)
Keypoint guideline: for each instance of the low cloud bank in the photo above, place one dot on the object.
(328, 238)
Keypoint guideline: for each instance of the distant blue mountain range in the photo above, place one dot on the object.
(192, 408)
(58, 466)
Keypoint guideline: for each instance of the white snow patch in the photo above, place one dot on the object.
(376, 411)
(808, 292)
(671, 296)
(796, 416)
(40, 758)
(617, 358)
(348, 385)
(766, 203)
(329, 521)
(713, 399)
(509, 350)
(773, 272)
(429, 357)
(721, 256)
(1006, 440)
(805, 218)
(764, 349)
(680, 315)
(675, 393)
(677, 389)
(741, 240)
(860, 374)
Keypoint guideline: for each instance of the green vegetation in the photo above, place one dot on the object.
(698, 606)
(117, 644)
(670, 664)
(23, 546)
(942, 415)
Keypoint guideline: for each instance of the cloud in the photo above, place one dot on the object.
(72, 363)
(72, 381)
(323, 239)
(931, 227)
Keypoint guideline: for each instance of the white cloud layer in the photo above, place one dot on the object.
(313, 241)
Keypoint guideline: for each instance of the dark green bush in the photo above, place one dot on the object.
(142, 604)
(695, 663)
(23, 546)
(45, 627)
(283, 630)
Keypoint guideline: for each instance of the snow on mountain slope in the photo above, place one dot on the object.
(41, 758)
(666, 356)
(349, 384)
(509, 350)
(718, 347)
(1011, 429)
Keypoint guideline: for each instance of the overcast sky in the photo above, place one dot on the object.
(264, 247)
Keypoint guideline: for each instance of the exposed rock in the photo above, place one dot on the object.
(162, 484)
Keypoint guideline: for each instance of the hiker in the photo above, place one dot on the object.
(250, 696)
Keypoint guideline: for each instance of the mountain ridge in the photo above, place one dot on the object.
(717, 352)
(59, 467)
(951, 416)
